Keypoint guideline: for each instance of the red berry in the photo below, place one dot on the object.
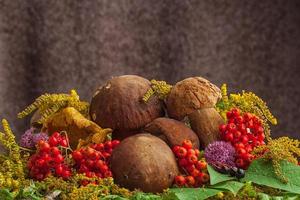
(108, 145)
(43, 146)
(53, 141)
(190, 168)
(240, 163)
(237, 134)
(187, 144)
(231, 127)
(179, 181)
(190, 181)
(77, 155)
(99, 147)
(183, 162)
(54, 151)
(239, 145)
(195, 173)
(201, 165)
(59, 169)
(229, 137)
(191, 152)
(244, 139)
(192, 158)
(241, 151)
(115, 143)
(40, 163)
(222, 128)
(197, 153)
(66, 174)
(107, 174)
(58, 159)
(181, 152)
(104, 168)
(64, 141)
(204, 177)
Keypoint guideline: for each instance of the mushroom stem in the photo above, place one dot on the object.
(205, 122)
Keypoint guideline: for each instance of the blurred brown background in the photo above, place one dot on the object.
(53, 46)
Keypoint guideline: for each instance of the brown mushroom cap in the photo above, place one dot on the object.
(118, 104)
(144, 162)
(190, 95)
(173, 132)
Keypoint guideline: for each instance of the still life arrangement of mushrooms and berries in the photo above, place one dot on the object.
(139, 139)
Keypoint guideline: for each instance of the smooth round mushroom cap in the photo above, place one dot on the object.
(173, 132)
(144, 162)
(118, 104)
(190, 95)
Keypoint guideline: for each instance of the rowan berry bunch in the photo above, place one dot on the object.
(93, 161)
(48, 159)
(244, 132)
(193, 167)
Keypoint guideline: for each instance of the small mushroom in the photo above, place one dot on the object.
(118, 105)
(173, 132)
(144, 162)
(195, 98)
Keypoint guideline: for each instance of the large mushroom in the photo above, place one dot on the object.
(118, 105)
(196, 98)
(144, 162)
(173, 132)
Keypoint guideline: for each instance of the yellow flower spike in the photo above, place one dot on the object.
(159, 88)
(48, 104)
(282, 148)
(246, 102)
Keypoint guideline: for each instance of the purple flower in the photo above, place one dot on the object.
(220, 152)
(39, 136)
(26, 139)
(29, 139)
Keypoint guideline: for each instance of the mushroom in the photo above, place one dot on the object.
(195, 98)
(173, 132)
(118, 105)
(144, 162)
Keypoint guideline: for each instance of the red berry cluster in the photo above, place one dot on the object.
(93, 160)
(195, 170)
(244, 132)
(48, 159)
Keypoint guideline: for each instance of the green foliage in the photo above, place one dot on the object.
(5, 194)
(261, 172)
(158, 88)
(216, 177)
(279, 149)
(48, 104)
(246, 102)
(230, 186)
(190, 193)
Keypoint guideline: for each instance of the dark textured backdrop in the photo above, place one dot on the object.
(53, 46)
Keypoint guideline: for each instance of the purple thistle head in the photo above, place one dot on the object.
(26, 139)
(220, 152)
(30, 138)
(39, 136)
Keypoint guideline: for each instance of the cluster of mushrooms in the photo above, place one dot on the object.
(148, 130)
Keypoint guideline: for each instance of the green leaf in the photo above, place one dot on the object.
(190, 193)
(145, 196)
(5, 194)
(264, 196)
(262, 172)
(113, 197)
(232, 186)
(216, 177)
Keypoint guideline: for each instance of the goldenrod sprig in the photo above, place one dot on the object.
(279, 149)
(159, 88)
(48, 104)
